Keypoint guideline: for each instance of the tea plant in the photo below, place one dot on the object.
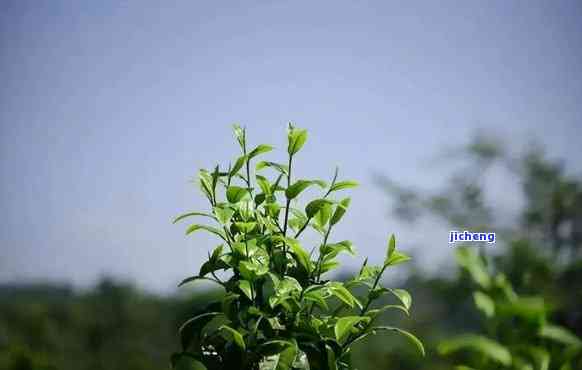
(278, 311)
(520, 335)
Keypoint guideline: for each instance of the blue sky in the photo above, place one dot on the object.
(109, 108)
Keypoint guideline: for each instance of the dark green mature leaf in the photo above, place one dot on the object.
(235, 194)
(413, 339)
(232, 334)
(284, 169)
(331, 361)
(260, 150)
(340, 210)
(296, 188)
(323, 215)
(332, 250)
(296, 140)
(281, 356)
(190, 330)
(189, 214)
(184, 361)
(344, 326)
(245, 287)
(315, 206)
(343, 185)
(478, 343)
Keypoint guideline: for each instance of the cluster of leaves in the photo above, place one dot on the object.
(278, 312)
(520, 335)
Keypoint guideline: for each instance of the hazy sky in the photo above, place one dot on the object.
(107, 109)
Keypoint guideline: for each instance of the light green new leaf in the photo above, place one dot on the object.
(245, 227)
(338, 290)
(343, 185)
(260, 150)
(323, 215)
(235, 194)
(391, 247)
(284, 169)
(478, 343)
(396, 258)
(296, 140)
(413, 339)
(300, 185)
(240, 134)
(264, 184)
(224, 214)
(403, 296)
(560, 334)
(484, 303)
(238, 165)
(190, 214)
(232, 334)
(340, 210)
(300, 253)
(344, 326)
(196, 227)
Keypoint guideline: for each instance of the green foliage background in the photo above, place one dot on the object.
(115, 326)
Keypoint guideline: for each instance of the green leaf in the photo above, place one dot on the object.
(332, 250)
(343, 185)
(296, 140)
(414, 340)
(235, 194)
(340, 210)
(238, 165)
(403, 296)
(323, 215)
(396, 258)
(315, 206)
(264, 184)
(234, 335)
(484, 303)
(284, 169)
(245, 227)
(300, 185)
(560, 334)
(260, 150)
(224, 214)
(245, 287)
(185, 361)
(478, 343)
(343, 294)
(281, 355)
(190, 330)
(391, 247)
(344, 326)
(300, 253)
(196, 227)
(189, 214)
(331, 363)
(471, 261)
(240, 134)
